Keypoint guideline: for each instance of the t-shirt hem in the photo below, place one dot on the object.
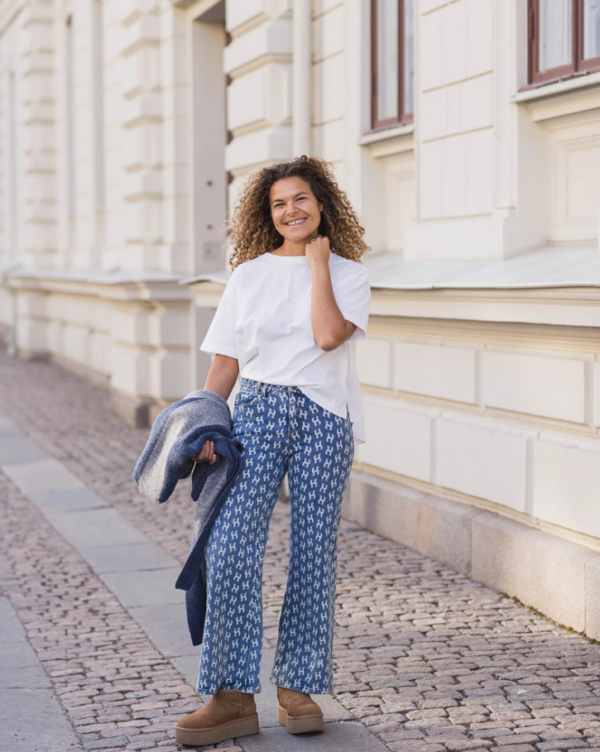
(358, 333)
(340, 413)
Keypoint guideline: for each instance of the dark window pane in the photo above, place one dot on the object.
(591, 28)
(387, 59)
(555, 33)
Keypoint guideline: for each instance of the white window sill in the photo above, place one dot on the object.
(389, 141)
(568, 97)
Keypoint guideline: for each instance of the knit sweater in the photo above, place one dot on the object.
(179, 434)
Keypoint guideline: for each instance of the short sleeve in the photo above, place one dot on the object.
(353, 297)
(220, 338)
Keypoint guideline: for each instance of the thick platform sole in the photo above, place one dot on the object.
(302, 725)
(216, 734)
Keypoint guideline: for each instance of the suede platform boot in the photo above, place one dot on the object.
(227, 715)
(297, 712)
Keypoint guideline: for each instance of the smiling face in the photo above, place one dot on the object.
(295, 210)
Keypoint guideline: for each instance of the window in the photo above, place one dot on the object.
(564, 39)
(391, 63)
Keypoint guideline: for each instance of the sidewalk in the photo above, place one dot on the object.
(424, 658)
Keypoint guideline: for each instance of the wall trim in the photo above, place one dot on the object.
(573, 536)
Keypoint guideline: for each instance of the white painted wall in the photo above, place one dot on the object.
(503, 415)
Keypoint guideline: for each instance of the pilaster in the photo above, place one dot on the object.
(34, 103)
(258, 62)
(142, 122)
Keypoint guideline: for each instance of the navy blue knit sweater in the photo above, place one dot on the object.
(178, 434)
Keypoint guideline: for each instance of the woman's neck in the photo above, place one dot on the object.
(295, 247)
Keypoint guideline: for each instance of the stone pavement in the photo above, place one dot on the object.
(425, 660)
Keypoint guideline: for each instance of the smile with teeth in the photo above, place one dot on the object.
(296, 222)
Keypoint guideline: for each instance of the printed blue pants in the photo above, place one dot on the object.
(281, 430)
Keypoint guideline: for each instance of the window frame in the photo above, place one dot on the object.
(578, 65)
(590, 64)
(401, 118)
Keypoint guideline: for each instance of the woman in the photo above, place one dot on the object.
(296, 301)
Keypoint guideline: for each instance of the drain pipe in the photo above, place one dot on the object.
(302, 78)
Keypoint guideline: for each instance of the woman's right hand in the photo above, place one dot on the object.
(207, 454)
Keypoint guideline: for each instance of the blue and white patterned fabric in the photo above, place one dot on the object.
(281, 429)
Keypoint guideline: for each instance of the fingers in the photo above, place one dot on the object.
(207, 454)
(211, 453)
(208, 451)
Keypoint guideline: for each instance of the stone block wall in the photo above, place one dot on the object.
(501, 415)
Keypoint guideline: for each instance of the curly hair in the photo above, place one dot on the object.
(251, 228)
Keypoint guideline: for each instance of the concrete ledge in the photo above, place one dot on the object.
(539, 569)
(138, 413)
(557, 577)
(134, 412)
(592, 598)
(433, 526)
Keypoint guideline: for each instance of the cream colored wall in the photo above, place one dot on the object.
(454, 112)
(259, 98)
(103, 235)
(499, 415)
(27, 197)
(330, 91)
(494, 395)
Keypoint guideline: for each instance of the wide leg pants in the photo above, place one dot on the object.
(281, 430)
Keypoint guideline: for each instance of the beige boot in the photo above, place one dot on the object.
(229, 714)
(297, 712)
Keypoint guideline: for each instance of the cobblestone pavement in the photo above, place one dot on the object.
(427, 659)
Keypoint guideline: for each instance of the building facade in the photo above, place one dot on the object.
(466, 133)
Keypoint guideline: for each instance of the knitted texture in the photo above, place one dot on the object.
(177, 436)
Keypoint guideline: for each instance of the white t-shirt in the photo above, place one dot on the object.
(264, 320)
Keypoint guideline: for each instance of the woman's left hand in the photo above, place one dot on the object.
(317, 251)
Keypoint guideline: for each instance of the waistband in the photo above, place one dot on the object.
(262, 388)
